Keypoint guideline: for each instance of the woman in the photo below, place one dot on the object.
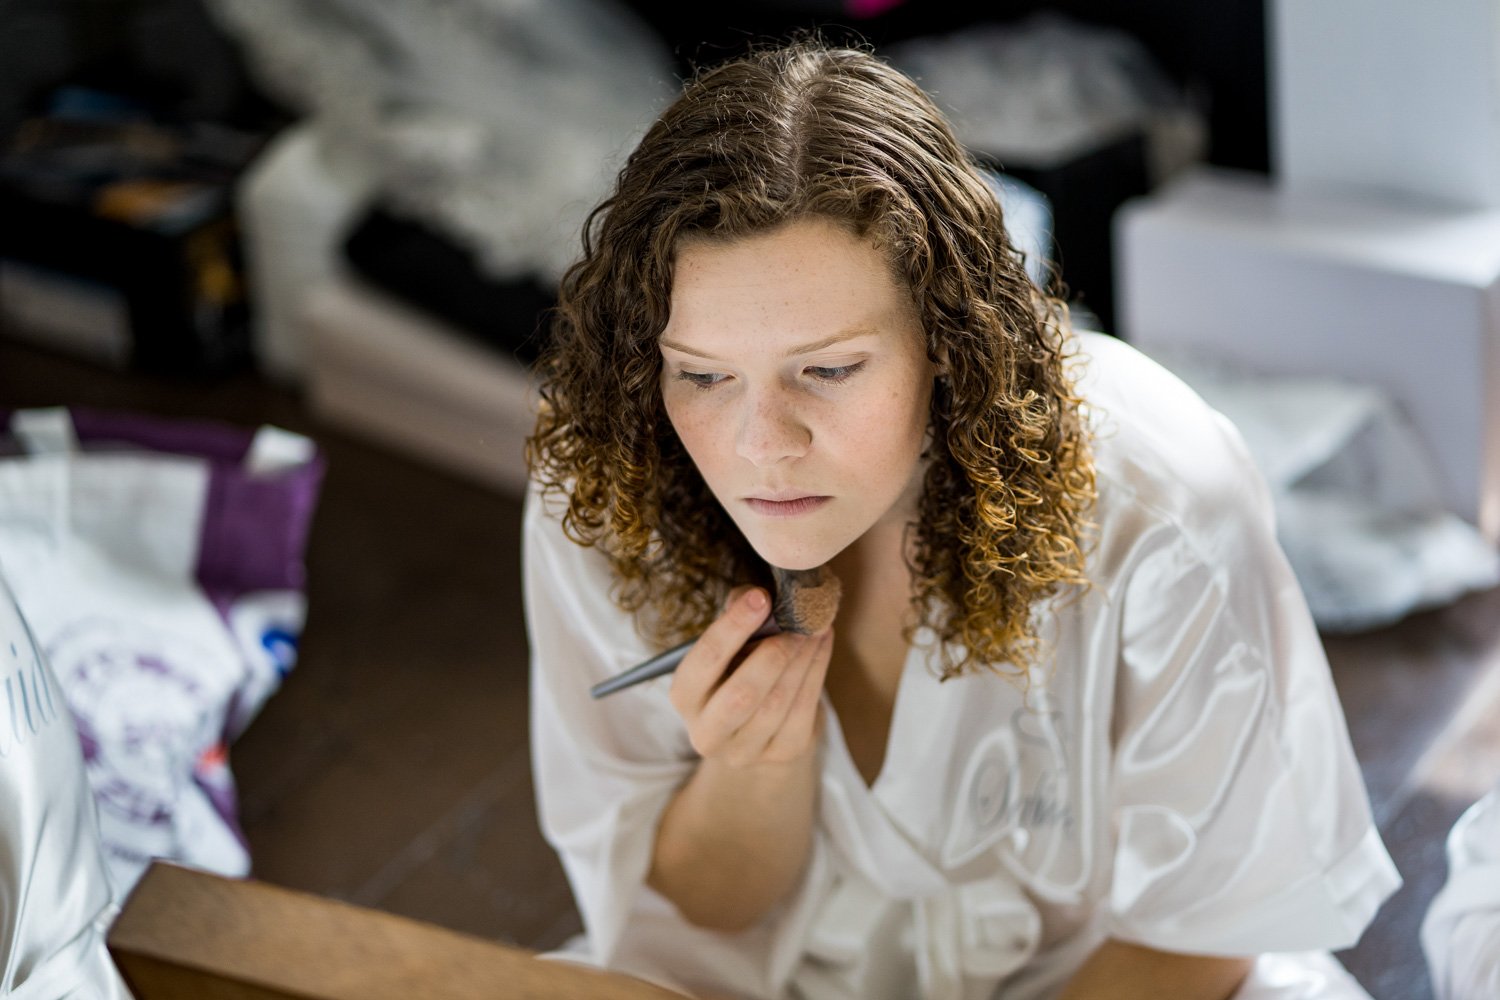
(1071, 733)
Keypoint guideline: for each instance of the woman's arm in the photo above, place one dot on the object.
(735, 839)
(1120, 971)
(734, 842)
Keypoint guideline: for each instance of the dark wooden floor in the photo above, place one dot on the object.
(392, 768)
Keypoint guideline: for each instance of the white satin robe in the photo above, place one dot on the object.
(1180, 776)
(55, 904)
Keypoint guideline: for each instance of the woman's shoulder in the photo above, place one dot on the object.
(1160, 452)
(543, 514)
(553, 558)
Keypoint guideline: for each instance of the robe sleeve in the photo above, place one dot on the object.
(604, 769)
(1240, 820)
(1461, 933)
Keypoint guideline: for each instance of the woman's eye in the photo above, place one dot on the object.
(701, 380)
(835, 375)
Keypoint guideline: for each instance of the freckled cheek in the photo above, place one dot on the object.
(870, 440)
(695, 428)
(903, 417)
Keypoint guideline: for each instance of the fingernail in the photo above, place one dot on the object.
(756, 600)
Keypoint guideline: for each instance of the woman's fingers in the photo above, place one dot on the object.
(750, 740)
(784, 726)
(800, 726)
(742, 696)
(703, 667)
(768, 703)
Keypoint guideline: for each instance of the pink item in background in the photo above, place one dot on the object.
(869, 8)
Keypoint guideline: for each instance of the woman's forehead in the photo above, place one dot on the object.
(812, 276)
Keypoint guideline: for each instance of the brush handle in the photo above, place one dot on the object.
(665, 663)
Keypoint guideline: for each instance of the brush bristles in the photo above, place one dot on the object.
(806, 599)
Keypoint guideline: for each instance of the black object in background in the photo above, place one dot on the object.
(1084, 191)
(427, 269)
(119, 242)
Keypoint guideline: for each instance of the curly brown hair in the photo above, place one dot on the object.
(805, 130)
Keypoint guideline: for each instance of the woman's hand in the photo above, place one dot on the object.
(757, 708)
(1120, 971)
(735, 839)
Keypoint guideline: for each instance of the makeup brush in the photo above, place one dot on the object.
(806, 602)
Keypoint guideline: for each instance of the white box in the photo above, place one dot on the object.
(393, 374)
(1388, 94)
(1407, 298)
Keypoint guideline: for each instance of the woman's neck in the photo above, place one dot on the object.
(876, 603)
(869, 645)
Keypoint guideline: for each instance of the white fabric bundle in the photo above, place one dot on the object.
(1358, 508)
(500, 122)
(1048, 88)
(1461, 934)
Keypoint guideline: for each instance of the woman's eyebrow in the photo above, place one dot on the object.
(817, 345)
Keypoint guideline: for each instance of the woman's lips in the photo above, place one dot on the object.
(786, 508)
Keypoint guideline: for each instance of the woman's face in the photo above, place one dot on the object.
(795, 374)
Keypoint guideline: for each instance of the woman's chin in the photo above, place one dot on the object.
(793, 556)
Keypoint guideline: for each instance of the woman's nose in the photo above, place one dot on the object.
(771, 431)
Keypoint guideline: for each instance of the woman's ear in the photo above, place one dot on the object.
(940, 365)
